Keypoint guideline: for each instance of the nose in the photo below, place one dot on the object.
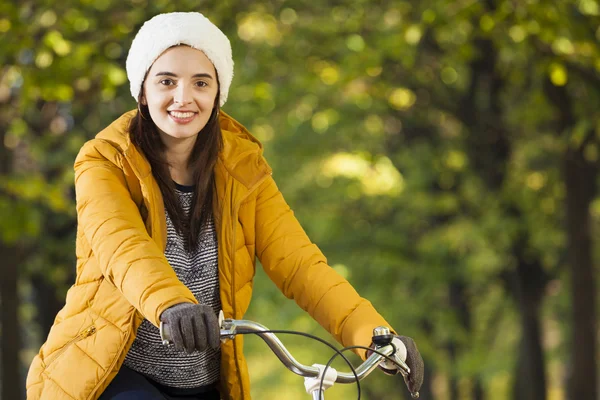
(182, 95)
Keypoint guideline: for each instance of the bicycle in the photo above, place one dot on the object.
(318, 377)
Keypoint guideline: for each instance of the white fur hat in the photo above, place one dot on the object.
(170, 29)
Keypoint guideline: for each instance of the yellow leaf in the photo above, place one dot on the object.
(402, 98)
(558, 74)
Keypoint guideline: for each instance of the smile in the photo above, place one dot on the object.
(182, 117)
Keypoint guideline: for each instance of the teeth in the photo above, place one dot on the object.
(178, 114)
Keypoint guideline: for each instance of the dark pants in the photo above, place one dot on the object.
(130, 385)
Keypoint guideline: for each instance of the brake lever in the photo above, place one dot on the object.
(382, 336)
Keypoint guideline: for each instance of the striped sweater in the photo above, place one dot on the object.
(198, 270)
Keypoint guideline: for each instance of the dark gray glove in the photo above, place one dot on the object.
(192, 326)
(414, 361)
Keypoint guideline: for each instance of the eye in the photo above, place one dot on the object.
(167, 82)
(201, 84)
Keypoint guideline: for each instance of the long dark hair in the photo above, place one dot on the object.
(209, 142)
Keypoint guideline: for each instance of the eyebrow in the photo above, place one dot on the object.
(165, 73)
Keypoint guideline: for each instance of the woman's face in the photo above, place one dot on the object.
(180, 92)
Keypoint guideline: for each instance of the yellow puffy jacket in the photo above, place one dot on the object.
(123, 275)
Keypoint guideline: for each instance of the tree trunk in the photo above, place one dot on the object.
(48, 304)
(9, 303)
(478, 391)
(580, 179)
(530, 379)
(452, 380)
(489, 149)
(9, 322)
(528, 288)
(580, 176)
(460, 304)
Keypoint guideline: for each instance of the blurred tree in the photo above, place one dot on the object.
(580, 172)
(11, 256)
(10, 251)
(443, 155)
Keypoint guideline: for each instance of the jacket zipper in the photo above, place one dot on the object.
(87, 333)
(233, 300)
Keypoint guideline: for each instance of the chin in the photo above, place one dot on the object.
(183, 135)
(180, 132)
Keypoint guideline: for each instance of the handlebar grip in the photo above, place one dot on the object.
(163, 329)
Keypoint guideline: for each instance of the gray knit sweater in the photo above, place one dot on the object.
(198, 270)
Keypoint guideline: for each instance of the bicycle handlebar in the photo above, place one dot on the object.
(231, 327)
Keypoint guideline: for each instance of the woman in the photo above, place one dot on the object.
(174, 202)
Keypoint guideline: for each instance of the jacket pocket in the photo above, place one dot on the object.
(89, 331)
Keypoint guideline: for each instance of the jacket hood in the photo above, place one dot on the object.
(241, 156)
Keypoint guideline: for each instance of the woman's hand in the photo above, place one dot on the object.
(192, 327)
(414, 361)
(414, 380)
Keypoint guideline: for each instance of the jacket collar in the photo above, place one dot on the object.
(241, 155)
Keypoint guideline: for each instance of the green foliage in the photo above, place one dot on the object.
(366, 118)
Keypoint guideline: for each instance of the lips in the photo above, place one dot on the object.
(182, 117)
